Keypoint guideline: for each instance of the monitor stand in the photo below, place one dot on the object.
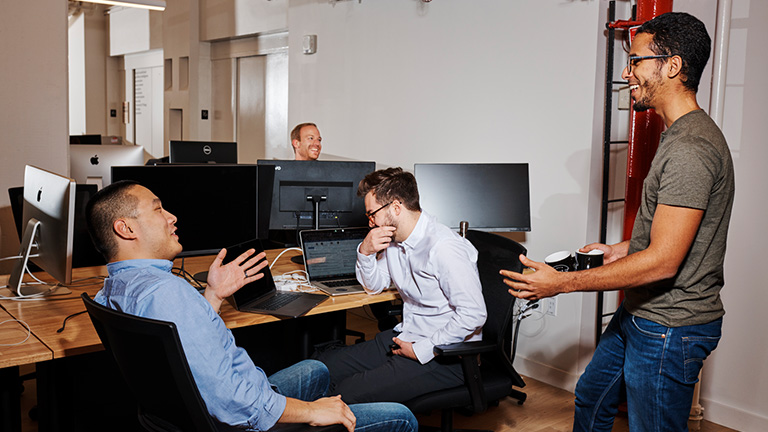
(16, 286)
(316, 200)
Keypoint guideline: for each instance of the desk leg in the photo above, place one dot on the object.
(10, 399)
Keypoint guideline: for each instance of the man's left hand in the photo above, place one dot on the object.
(225, 280)
(543, 282)
(405, 350)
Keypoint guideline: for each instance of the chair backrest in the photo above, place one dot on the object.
(152, 361)
(496, 253)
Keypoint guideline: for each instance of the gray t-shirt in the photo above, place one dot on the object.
(692, 168)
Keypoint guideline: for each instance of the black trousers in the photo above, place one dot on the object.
(368, 372)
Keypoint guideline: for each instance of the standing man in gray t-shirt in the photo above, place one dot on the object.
(672, 268)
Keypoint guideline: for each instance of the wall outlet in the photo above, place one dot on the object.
(549, 306)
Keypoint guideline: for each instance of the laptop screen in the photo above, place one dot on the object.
(331, 253)
(256, 289)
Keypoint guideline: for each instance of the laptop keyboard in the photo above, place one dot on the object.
(278, 301)
(341, 283)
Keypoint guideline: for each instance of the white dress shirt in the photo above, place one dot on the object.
(435, 272)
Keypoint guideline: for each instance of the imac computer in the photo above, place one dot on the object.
(317, 194)
(203, 152)
(91, 164)
(48, 220)
(217, 205)
(84, 253)
(491, 197)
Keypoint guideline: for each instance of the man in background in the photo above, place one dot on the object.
(306, 141)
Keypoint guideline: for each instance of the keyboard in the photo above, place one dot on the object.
(341, 283)
(278, 301)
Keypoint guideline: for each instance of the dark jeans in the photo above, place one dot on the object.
(308, 380)
(659, 366)
(368, 372)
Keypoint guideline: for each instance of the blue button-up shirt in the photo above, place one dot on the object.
(235, 391)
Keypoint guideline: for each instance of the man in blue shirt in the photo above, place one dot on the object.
(138, 239)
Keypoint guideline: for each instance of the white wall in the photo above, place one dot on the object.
(401, 82)
(733, 386)
(76, 61)
(33, 99)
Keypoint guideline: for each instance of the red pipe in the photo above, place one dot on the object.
(644, 127)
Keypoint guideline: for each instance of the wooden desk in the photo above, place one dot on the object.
(11, 357)
(31, 351)
(79, 337)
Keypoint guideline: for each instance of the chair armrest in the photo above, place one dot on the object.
(464, 348)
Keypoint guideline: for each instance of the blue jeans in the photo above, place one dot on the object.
(657, 365)
(308, 380)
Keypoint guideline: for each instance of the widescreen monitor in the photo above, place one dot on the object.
(91, 164)
(91, 139)
(48, 220)
(203, 152)
(491, 197)
(317, 194)
(217, 205)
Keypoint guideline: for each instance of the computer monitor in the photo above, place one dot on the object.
(491, 197)
(217, 205)
(90, 164)
(84, 254)
(49, 222)
(90, 139)
(317, 194)
(203, 152)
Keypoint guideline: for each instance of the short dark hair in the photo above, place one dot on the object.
(296, 132)
(109, 204)
(391, 184)
(682, 34)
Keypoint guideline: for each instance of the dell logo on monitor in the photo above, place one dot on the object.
(207, 149)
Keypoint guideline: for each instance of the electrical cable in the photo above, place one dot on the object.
(64, 324)
(26, 326)
(531, 304)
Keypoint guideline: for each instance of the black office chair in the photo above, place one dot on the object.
(152, 361)
(488, 372)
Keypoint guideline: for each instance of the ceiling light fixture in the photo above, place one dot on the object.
(157, 5)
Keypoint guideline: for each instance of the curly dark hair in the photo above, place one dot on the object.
(682, 34)
(391, 184)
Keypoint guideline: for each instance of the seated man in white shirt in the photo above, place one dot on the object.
(435, 272)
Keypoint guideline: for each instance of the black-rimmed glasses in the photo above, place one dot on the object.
(372, 213)
(633, 61)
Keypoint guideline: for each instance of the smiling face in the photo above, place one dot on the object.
(154, 227)
(309, 144)
(645, 80)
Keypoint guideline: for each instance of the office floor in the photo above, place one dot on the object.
(547, 409)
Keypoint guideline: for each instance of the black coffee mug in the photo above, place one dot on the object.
(561, 261)
(588, 260)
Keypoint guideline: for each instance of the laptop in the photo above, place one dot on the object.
(261, 296)
(329, 258)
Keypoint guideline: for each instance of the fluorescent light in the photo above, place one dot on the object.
(158, 5)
